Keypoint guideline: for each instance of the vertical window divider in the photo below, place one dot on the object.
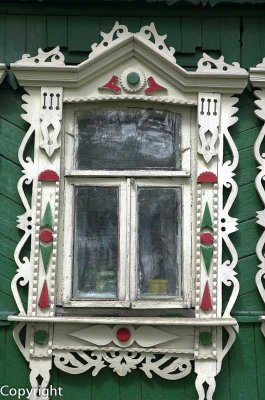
(133, 237)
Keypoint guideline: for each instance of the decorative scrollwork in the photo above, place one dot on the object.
(123, 362)
(25, 220)
(146, 34)
(228, 224)
(260, 157)
(53, 56)
(149, 32)
(117, 33)
(207, 64)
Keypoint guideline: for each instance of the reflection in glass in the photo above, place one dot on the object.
(128, 139)
(159, 230)
(95, 242)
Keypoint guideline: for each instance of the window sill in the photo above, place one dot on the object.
(172, 321)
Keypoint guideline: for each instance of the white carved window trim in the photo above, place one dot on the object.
(162, 345)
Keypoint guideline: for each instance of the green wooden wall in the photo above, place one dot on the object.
(236, 32)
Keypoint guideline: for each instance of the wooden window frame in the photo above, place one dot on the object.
(127, 297)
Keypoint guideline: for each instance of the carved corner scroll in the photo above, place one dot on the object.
(78, 345)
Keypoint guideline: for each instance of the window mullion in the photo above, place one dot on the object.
(133, 239)
(123, 258)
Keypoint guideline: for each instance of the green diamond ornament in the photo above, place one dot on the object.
(47, 217)
(46, 251)
(207, 219)
(207, 253)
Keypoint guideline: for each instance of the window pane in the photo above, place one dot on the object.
(159, 231)
(96, 242)
(128, 139)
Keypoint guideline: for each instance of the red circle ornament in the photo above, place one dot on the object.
(123, 334)
(46, 235)
(206, 238)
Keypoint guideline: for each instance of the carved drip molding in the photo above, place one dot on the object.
(127, 69)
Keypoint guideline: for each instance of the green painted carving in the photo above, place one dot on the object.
(41, 337)
(46, 251)
(207, 253)
(47, 217)
(205, 338)
(207, 219)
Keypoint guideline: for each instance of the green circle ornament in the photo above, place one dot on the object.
(133, 78)
(41, 337)
(205, 338)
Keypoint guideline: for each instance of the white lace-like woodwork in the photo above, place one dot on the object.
(162, 349)
(257, 76)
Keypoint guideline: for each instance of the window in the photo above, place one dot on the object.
(127, 211)
(127, 180)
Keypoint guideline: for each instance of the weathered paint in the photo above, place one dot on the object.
(191, 31)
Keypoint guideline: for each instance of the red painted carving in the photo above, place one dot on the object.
(207, 177)
(49, 176)
(206, 302)
(111, 85)
(153, 86)
(46, 235)
(123, 334)
(44, 300)
(206, 238)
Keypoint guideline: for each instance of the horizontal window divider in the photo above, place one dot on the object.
(172, 321)
(126, 173)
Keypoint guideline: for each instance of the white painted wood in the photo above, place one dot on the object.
(130, 320)
(81, 88)
(257, 78)
(146, 44)
(127, 173)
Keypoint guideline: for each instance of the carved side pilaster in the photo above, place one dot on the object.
(213, 214)
(259, 155)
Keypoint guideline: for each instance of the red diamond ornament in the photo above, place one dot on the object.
(206, 302)
(44, 300)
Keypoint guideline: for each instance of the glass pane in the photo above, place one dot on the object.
(159, 241)
(96, 242)
(128, 139)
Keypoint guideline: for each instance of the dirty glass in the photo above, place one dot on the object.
(95, 242)
(129, 138)
(159, 231)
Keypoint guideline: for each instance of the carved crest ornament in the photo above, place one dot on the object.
(135, 68)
